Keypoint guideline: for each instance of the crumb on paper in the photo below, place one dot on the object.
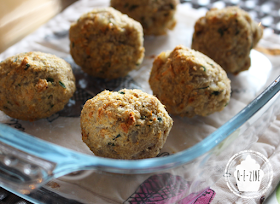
(53, 184)
(268, 51)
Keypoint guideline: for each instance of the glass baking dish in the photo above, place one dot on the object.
(48, 166)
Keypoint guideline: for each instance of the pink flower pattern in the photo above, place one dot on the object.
(168, 189)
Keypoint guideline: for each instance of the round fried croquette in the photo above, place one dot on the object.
(34, 85)
(156, 17)
(106, 43)
(227, 36)
(189, 83)
(129, 124)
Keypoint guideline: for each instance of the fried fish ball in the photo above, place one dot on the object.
(189, 83)
(106, 43)
(129, 124)
(156, 17)
(227, 36)
(35, 85)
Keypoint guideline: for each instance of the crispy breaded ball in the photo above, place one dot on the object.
(106, 43)
(129, 124)
(189, 83)
(227, 36)
(156, 17)
(35, 85)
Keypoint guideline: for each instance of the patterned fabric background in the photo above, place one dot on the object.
(267, 12)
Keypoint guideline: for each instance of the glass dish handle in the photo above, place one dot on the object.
(27, 163)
